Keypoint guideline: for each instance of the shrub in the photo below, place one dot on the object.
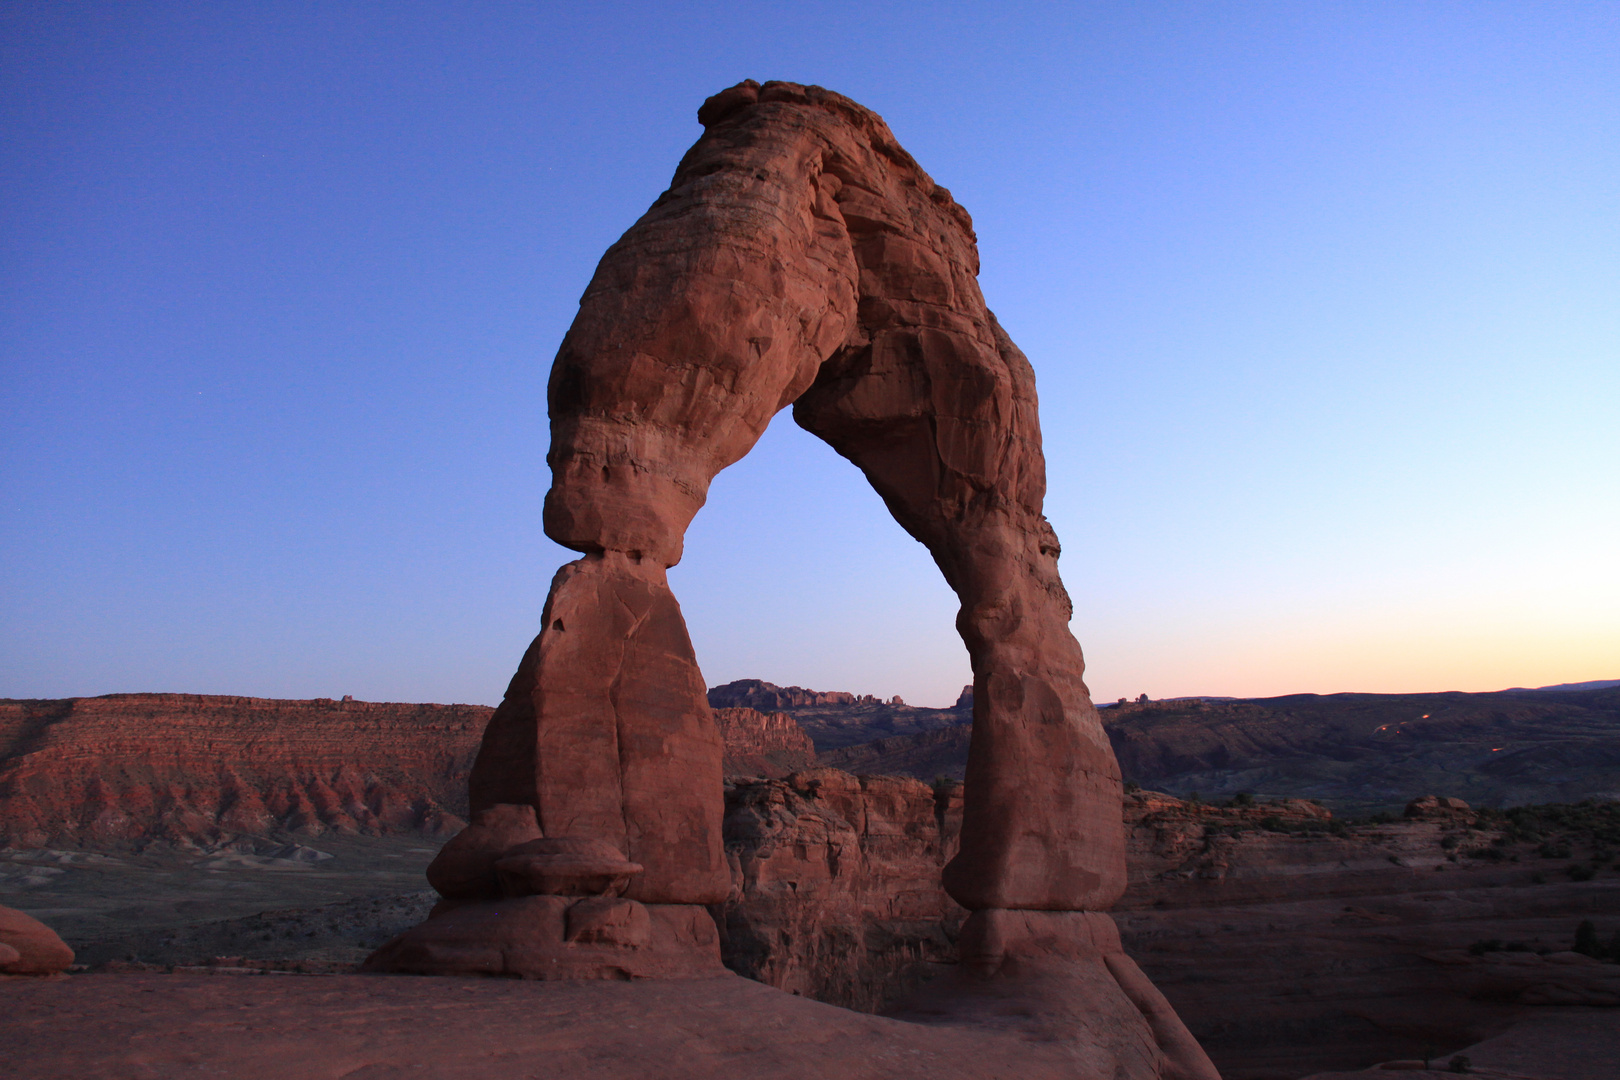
(1586, 939)
(1243, 798)
(1460, 1063)
(1577, 872)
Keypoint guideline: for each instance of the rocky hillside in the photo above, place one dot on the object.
(1288, 941)
(1359, 753)
(836, 718)
(760, 744)
(940, 753)
(199, 770)
(195, 769)
(207, 771)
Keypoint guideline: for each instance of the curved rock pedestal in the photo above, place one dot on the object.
(520, 905)
(1063, 976)
(29, 947)
(559, 937)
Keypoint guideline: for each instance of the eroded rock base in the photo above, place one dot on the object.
(1063, 977)
(558, 937)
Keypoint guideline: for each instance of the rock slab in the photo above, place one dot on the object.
(29, 947)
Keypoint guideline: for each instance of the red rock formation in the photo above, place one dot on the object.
(761, 745)
(758, 694)
(197, 770)
(836, 891)
(1440, 808)
(1235, 911)
(801, 257)
(202, 770)
(29, 947)
(606, 732)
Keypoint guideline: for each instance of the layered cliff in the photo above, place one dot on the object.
(196, 769)
(204, 771)
(760, 744)
(759, 694)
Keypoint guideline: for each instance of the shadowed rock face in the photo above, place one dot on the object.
(800, 257)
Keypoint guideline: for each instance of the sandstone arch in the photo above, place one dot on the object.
(800, 257)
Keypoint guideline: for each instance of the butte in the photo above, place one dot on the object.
(799, 258)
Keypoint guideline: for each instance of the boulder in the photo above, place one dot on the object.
(1440, 808)
(464, 869)
(29, 947)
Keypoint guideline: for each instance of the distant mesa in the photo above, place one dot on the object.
(1593, 684)
(202, 771)
(1508, 748)
(199, 770)
(764, 696)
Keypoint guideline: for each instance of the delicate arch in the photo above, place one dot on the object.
(800, 257)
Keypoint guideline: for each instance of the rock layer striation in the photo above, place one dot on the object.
(202, 770)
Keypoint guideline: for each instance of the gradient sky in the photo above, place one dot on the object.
(1323, 301)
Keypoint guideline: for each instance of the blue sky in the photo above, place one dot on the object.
(1323, 300)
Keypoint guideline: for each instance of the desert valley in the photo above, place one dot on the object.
(1297, 924)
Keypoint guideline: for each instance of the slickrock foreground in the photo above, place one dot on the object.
(155, 1027)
